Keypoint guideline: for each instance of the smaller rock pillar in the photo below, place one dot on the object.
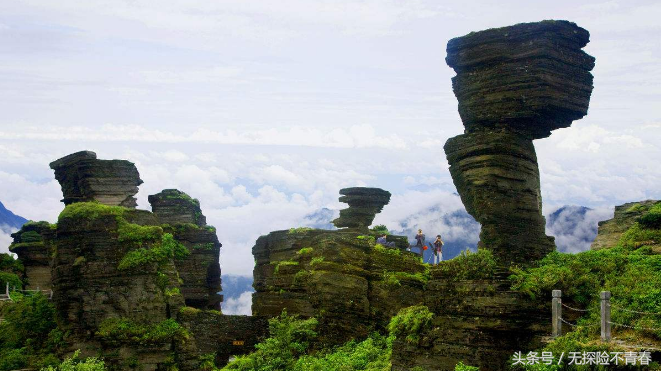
(364, 204)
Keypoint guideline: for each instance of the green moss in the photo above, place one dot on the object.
(123, 330)
(31, 236)
(301, 276)
(204, 246)
(635, 208)
(411, 322)
(316, 260)
(139, 235)
(20, 245)
(390, 278)
(421, 277)
(167, 248)
(386, 250)
(283, 263)
(79, 261)
(638, 236)
(468, 266)
(189, 311)
(380, 230)
(89, 211)
(652, 219)
(305, 250)
(462, 367)
(170, 292)
(178, 195)
(299, 230)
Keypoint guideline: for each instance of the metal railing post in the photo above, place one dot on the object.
(556, 312)
(605, 315)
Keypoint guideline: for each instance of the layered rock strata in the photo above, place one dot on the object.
(33, 246)
(364, 203)
(625, 216)
(172, 206)
(84, 178)
(514, 84)
(478, 322)
(350, 284)
(199, 271)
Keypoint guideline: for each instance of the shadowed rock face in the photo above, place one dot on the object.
(514, 84)
(364, 204)
(84, 178)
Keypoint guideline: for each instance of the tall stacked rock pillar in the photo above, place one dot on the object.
(199, 271)
(514, 84)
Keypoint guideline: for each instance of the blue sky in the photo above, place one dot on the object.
(264, 110)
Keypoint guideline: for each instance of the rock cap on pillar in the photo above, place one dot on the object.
(530, 78)
(85, 178)
(364, 203)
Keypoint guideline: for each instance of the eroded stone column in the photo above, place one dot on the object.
(514, 84)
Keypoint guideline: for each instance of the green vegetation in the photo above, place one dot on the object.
(370, 239)
(73, 363)
(9, 278)
(411, 322)
(290, 339)
(178, 195)
(28, 335)
(288, 349)
(31, 236)
(386, 250)
(305, 251)
(89, 211)
(189, 311)
(299, 230)
(301, 276)
(389, 278)
(204, 246)
(123, 330)
(631, 271)
(139, 235)
(371, 354)
(168, 248)
(317, 260)
(469, 266)
(462, 367)
(283, 263)
(380, 230)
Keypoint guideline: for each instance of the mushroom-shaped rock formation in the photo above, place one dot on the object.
(84, 178)
(514, 84)
(173, 206)
(364, 204)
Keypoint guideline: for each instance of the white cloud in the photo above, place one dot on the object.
(356, 136)
(575, 231)
(5, 238)
(238, 306)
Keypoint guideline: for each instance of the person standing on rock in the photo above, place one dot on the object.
(438, 249)
(420, 242)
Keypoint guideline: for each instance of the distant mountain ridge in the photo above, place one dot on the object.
(10, 221)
